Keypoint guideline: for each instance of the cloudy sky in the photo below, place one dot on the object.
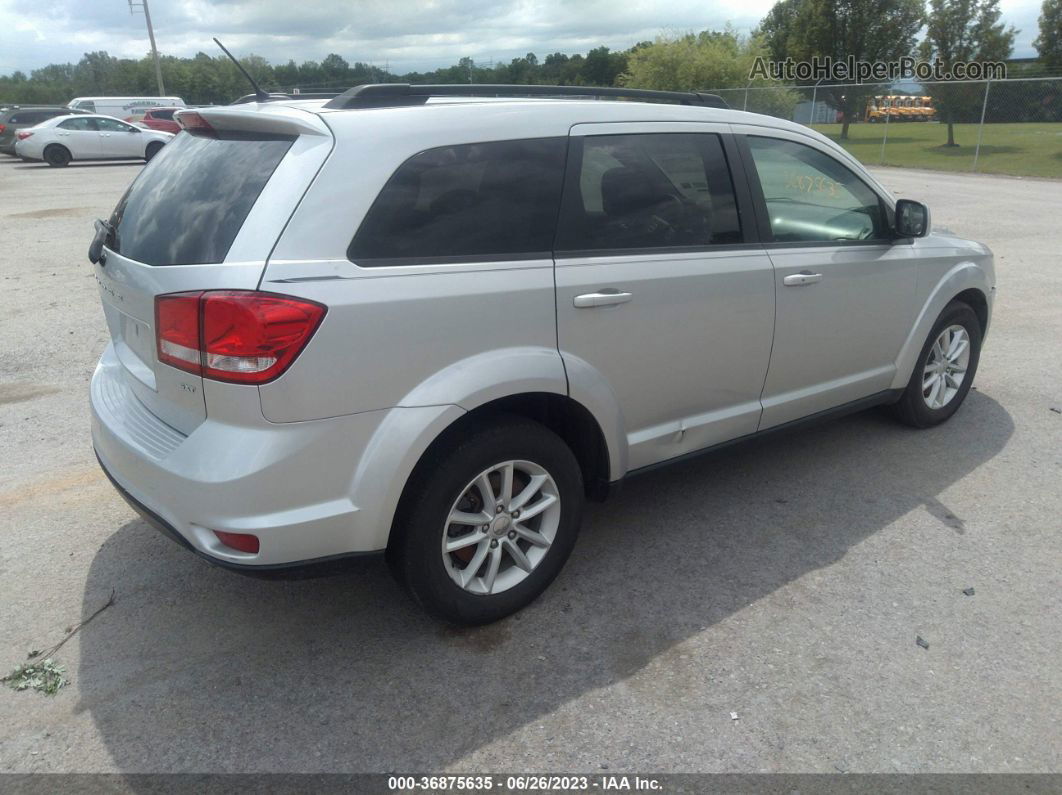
(406, 34)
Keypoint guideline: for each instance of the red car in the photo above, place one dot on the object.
(161, 119)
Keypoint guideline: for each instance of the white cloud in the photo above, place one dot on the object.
(404, 33)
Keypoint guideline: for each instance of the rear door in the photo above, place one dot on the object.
(661, 288)
(81, 136)
(202, 215)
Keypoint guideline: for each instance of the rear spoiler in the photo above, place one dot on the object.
(277, 120)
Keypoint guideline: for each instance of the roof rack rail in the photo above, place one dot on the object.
(388, 95)
(276, 96)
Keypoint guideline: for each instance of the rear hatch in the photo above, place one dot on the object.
(204, 214)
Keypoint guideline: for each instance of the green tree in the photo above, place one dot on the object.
(1049, 42)
(866, 30)
(963, 30)
(706, 60)
(602, 67)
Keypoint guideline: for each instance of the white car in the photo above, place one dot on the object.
(83, 137)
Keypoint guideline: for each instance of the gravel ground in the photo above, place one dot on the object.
(784, 581)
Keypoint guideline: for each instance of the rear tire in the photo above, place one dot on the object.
(945, 369)
(152, 150)
(515, 558)
(57, 156)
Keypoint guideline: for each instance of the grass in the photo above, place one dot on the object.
(1026, 150)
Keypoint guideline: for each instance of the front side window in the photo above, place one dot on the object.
(811, 197)
(648, 190)
(496, 199)
(79, 124)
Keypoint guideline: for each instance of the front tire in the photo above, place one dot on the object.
(945, 369)
(57, 156)
(488, 521)
(152, 150)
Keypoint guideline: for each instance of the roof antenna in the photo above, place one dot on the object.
(259, 94)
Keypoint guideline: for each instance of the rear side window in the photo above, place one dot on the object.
(496, 199)
(30, 117)
(82, 123)
(113, 125)
(160, 114)
(190, 201)
(650, 190)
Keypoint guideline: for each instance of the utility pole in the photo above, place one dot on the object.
(151, 35)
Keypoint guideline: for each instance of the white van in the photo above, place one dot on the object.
(127, 108)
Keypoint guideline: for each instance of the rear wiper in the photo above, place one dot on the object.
(105, 232)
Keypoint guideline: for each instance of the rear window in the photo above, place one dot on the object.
(190, 201)
(160, 114)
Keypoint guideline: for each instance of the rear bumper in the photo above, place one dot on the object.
(293, 485)
(303, 568)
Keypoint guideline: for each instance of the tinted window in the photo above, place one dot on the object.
(113, 125)
(31, 117)
(813, 197)
(78, 124)
(160, 114)
(488, 199)
(648, 191)
(190, 201)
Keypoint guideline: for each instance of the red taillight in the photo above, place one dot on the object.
(242, 542)
(241, 336)
(23, 134)
(177, 330)
(194, 123)
(3, 127)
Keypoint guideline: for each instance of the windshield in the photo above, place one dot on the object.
(189, 202)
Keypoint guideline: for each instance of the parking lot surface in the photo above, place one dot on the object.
(754, 610)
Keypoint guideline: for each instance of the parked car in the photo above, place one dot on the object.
(18, 117)
(86, 137)
(161, 119)
(127, 108)
(431, 328)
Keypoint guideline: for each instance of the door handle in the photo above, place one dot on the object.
(804, 277)
(603, 298)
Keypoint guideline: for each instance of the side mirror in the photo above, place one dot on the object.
(912, 218)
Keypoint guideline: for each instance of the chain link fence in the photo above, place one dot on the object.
(989, 126)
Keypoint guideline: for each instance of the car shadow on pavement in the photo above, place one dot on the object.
(198, 669)
(88, 164)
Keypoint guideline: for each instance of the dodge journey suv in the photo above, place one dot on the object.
(431, 321)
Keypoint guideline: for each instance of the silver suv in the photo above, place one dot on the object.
(433, 326)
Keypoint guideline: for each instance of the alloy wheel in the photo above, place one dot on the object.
(945, 367)
(501, 527)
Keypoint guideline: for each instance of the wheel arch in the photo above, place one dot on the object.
(966, 282)
(56, 145)
(566, 417)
